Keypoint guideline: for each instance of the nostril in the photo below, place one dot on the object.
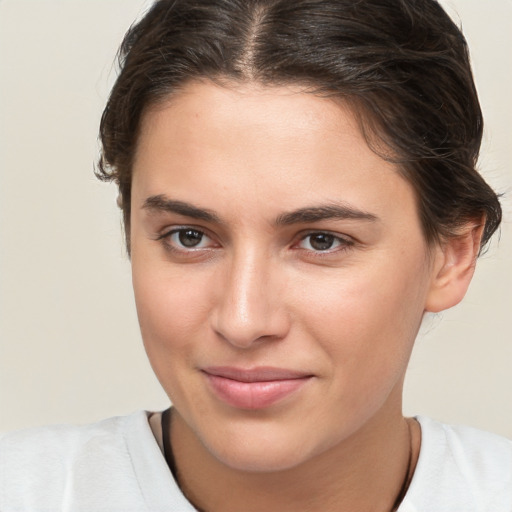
(250, 328)
(249, 308)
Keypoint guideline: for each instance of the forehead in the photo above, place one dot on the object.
(268, 147)
(277, 114)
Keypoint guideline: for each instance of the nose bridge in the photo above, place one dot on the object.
(248, 308)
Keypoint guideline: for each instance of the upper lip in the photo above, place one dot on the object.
(258, 374)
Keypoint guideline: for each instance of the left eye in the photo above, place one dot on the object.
(321, 242)
(189, 238)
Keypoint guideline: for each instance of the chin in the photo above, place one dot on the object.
(260, 448)
(254, 459)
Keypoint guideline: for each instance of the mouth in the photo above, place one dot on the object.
(255, 388)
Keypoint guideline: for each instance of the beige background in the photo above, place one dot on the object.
(70, 350)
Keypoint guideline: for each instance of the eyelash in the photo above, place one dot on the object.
(166, 239)
(343, 243)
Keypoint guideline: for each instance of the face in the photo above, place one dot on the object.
(279, 268)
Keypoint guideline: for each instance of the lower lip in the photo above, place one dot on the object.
(253, 395)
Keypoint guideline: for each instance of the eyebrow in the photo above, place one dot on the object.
(318, 213)
(161, 203)
(301, 216)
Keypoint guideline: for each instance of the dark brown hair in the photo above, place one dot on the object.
(402, 64)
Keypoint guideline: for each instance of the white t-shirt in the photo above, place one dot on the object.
(117, 466)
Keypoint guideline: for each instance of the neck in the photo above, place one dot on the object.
(369, 471)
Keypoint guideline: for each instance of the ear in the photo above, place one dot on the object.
(453, 267)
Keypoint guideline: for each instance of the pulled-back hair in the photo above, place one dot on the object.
(402, 65)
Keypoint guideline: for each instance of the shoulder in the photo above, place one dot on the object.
(39, 467)
(474, 452)
(60, 443)
(462, 469)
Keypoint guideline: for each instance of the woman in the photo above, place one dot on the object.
(298, 188)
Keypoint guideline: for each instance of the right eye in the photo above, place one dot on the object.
(183, 239)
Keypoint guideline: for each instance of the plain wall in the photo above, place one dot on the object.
(70, 349)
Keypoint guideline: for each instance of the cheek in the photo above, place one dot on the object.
(367, 321)
(171, 309)
(172, 313)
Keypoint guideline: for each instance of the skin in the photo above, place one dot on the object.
(257, 291)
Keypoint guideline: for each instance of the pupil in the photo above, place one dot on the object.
(190, 237)
(321, 242)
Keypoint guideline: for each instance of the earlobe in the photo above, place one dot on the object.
(453, 268)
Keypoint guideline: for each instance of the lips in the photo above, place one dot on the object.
(254, 388)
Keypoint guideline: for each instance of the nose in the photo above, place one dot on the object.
(249, 306)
